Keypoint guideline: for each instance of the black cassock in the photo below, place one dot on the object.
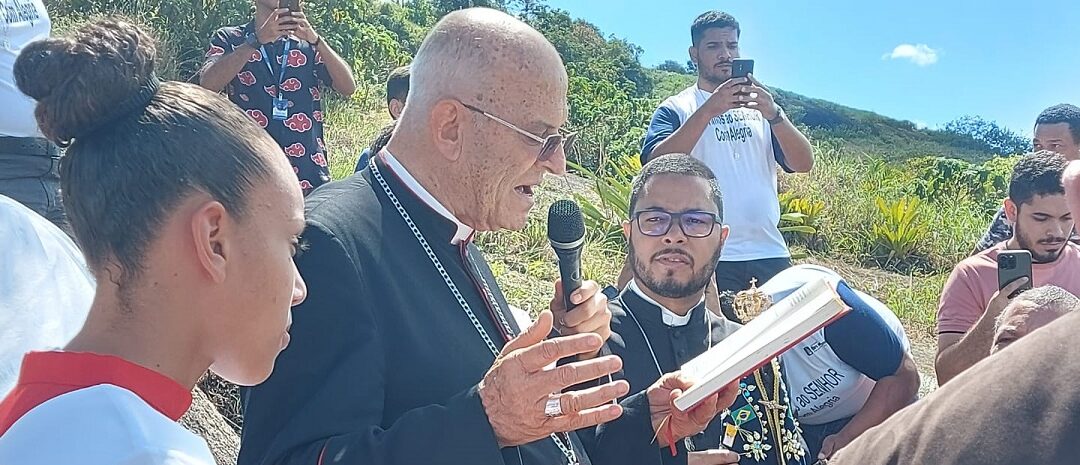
(384, 362)
(757, 425)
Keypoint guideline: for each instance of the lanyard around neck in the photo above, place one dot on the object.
(284, 60)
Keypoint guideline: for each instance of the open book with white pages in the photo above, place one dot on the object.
(777, 329)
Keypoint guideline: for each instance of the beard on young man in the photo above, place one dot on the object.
(1043, 250)
(669, 285)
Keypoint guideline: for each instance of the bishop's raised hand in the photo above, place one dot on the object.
(522, 393)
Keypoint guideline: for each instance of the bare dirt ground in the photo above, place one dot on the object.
(871, 281)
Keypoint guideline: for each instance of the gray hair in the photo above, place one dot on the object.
(1049, 297)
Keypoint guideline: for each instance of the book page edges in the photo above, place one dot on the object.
(683, 402)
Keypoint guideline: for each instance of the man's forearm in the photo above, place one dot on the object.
(973, 347)
(339, 71)
(218, 73)
(798, 154)
(686, 137)
(890, 394)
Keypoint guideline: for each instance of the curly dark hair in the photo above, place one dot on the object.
(1062, 113)
(678, 164)
(1037, 174)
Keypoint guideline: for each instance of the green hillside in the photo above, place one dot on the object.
(860, 132)
(612, 95)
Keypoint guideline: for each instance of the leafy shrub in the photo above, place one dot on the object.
(899, 232)
(799, 218)
(937, 177)
(608, 205)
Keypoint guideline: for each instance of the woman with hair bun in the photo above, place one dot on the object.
(189, 217)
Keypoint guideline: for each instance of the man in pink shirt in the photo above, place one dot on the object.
(971, 302)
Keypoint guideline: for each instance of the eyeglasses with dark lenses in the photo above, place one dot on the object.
(692, 223)
(548, 145)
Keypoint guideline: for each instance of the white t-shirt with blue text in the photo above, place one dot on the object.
(740, 149)
(831, 373)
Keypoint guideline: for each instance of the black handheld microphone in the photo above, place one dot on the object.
(566, 231)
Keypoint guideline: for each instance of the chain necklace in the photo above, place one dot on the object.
(567, 448)
(773, 408)
(688, 441)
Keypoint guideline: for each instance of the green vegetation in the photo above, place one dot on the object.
(891, 205)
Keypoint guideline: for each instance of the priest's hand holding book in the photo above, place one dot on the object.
(590, 314)
(517, 392)
(672, 424)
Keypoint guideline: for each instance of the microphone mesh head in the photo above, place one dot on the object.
(565, 223)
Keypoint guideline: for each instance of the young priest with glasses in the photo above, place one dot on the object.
(659, 322)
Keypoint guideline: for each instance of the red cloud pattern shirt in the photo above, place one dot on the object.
(255, 87)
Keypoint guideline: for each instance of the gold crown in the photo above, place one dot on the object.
(751, 302)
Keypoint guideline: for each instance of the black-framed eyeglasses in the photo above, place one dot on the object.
(548, 144)
(693, 223)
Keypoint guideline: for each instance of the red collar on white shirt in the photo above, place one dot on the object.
(46, 375)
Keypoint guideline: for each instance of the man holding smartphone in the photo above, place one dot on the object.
(274, 68)
(734, 126)
(974, 295)
(1057, 129)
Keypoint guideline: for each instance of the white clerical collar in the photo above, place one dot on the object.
(670, 318)
(464, 231)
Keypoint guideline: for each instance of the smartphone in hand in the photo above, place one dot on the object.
(1013, 265)
(291, 5)
(740, 68)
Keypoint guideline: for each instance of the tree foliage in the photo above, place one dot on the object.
(672, 66)
(611, 94)
(609, 88)
(996, 139)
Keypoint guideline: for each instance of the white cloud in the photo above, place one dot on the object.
(919, 124)
(919, 54)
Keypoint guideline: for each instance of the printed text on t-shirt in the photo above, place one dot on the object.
(819, 387)
(731, 126)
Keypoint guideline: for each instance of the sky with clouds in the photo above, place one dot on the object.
(927, 61)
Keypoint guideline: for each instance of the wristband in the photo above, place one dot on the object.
(778, 118)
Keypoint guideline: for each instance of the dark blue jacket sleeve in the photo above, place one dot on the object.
(665, 121)
(362, 162)
(863, 340)
(778, 155)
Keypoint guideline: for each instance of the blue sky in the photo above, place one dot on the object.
(1002, 60)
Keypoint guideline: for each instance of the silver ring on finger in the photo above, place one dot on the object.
(553, 407)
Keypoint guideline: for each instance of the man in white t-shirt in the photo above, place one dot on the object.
(852, 374)
(734, 127)
(29, 164)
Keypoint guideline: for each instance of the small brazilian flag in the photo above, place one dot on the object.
(743, 415)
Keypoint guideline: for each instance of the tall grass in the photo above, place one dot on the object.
(351, 125)
(850, 186)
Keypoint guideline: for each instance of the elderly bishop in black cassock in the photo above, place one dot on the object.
(405, 351)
